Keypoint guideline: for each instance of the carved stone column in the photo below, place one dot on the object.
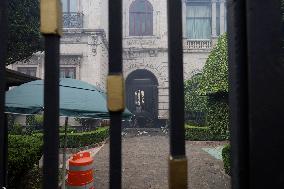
(222, 17)
(214, 15)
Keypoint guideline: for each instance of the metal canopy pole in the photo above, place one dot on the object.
(238, 93)
(178, 160)
(115, 91)
(64, 153)
(266, 92)
(51, 24)
(3, 117)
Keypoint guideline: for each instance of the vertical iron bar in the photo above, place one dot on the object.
(51, 112)
(266, 92)
(63, 186)
(178, 160)
(115, 150)
(115, 67)
(3, 118)
(177, 143)
(238, 93)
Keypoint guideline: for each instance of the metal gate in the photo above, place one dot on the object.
(256, 75)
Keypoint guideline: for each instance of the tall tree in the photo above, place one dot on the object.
(24, 35)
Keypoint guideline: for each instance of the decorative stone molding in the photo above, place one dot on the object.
(132, 53)
(159, 71)
(70, 59)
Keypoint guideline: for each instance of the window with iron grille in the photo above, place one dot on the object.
(68, 72)
(141, 18)
(28, 70)
(198, 19)
(72, 17)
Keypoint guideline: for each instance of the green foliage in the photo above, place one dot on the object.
(195, 104)
(69, 130)
(24, 152)
(215, 72)
(33, 178)
(218, 116)
(194, 133)
(75, 140)
(193, 100)
(16, 129)
(226, 156)
(214, 84)
(24, 37)
(81, 139)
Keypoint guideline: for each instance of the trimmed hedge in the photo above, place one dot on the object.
(81, 139)
(195, 133)
(24, 152)
(214, 84)
(195, 104)
(75, 140)
(226, 156)
(215, 72)
(218, 116)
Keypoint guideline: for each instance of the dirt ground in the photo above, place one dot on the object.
(145, 164)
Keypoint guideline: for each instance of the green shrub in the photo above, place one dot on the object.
(218, 116)
(215, 72)
(24, 152)
(194, 133)
(75, 140)
(226, 156)
(61, 130)
(69, 130)
(33, 178)
(195, 104)
(214, 84)
(15, 129)
(81, 139)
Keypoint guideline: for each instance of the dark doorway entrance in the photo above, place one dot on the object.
(142, 98)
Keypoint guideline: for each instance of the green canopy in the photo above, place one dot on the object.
(77, 99)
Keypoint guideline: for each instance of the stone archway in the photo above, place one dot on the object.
(142, 97)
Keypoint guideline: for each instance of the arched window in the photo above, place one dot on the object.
(140, 18)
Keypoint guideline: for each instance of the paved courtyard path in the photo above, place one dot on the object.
(145, 164)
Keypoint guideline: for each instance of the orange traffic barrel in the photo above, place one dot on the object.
(81, 171)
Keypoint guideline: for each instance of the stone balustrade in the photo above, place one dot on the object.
(202, 44)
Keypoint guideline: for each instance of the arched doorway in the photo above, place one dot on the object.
(142, 97)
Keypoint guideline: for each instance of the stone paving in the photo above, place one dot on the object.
(145, 164)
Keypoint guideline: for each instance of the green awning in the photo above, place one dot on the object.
(77, 99)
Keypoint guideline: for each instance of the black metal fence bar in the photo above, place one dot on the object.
(178, 161)
(51, 28)
(238, 98)
(115, 76)
(266, 91)
(51, 112)
(3, 124)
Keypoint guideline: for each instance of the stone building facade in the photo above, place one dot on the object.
(84, 47)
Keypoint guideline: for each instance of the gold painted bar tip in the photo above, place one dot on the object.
(178, 172)
(115, 93)
(51, 17)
